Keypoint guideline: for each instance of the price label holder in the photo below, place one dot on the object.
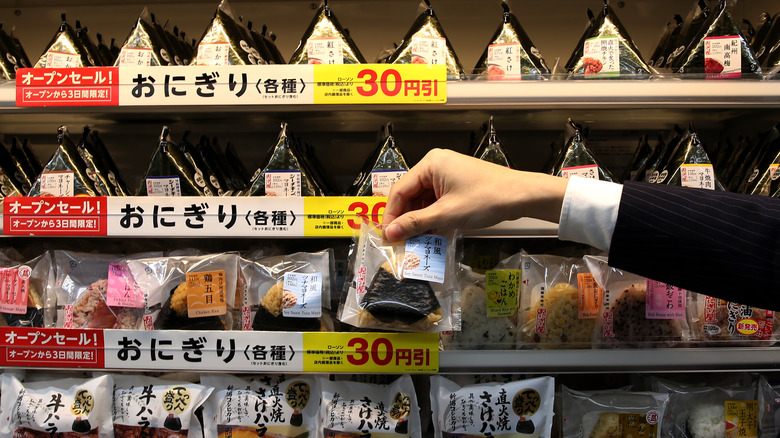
(380, 83)
(55, 348)
(371, 352)
(337, 216)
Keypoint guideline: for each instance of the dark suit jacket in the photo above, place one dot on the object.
(717, 243)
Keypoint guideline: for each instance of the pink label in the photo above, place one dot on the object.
(541, 321)
(14, 287)
(664, 301)
(122, 289)
(589, 171)
(361, 280)
(68, 320)
(246, 318)
(608, 325)
(148, 322)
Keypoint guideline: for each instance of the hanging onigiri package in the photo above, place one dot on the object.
(382, 169)
(144, 46)
(24, 296)
(406, 286)
(226, 42)
(62, 407)
(66, 173)
(65, 50)
(577, 158)
(354, 409)
(326, 42)
(272, 406)
(490, 149)
(523, 408)
(147, 406)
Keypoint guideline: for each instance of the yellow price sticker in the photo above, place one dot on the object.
(340, 216)
(371, 352)
(503, 292)
(380, 83)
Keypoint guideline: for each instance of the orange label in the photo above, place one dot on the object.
(206, 294)
(590, 296)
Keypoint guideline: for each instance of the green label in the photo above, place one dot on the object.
(502, 289)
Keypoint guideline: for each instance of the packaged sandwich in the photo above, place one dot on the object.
(617, 413)
(490, 149)
(148, 406)
(272, 406)
(609, 52)
(170, 173)
(577, 158)
(283, 173)
(720, 322)
(226, 42)
(65, 50)
(426, 43)
(669, 35)
(719, 51)
(58, 408)
(689, 165)
(521, 408)
(65, 174)
(404, 286)
(144, 46)
(24, 295)
(382, 169)
(351, 409)
(326, 42)
(510, 54)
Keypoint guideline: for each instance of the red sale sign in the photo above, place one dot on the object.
(83, 86)
(52, 216)
(41, 347)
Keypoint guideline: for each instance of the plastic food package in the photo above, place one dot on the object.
(609, 52)
(641, 155)
(558, 303)
(326, 42)
(62, 407)
(522, 408)
(763, 175)
(104, 51)
(65, 174)
(382, 169)
(665, 147)
(577, 53)
(202, 172)
(24, 292)
(607, 414)
(13, 179)
(769, 407)
(226, 42)
(638, 312)
(147, 406)
(578, 159)
(188, 292)
(144, 46)
(719, 50)
(272, 406)
(694, 21)
(689, 165)
(510, 54)
(65, 50)
(669, 35)
(214, 169)
(490, 149)
(349, 409)
(11, 56)
(88, 44)
(404, 286)
(288, 292)
(99, 162)
(31, 165)
(426, 43)
(170, 174)
(720, 322)
(262, 44)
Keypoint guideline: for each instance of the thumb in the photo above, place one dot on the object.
(410, 224)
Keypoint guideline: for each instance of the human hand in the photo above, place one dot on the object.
(448, 190)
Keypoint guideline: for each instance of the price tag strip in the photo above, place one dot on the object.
(232, 351)
(232, 85)
(140, 216)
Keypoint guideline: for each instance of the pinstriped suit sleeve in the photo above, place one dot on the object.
(717, 243)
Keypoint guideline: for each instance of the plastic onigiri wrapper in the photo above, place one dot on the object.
(66, 173)
(25, 291)
(226, 42)
(382, 169)
(144, 46)
(326, 42)
(65, 50)
(577, 158)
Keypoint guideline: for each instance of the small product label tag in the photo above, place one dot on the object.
(773, 173)
(302, 297)
(213, 53)
(637, 425)
(723, 57)
(502, 288)
(57, 183)
(206, 294)
(429, 50)
(246, 318)
(589, 171)
(62, 60)
(601, 56)
(324, 51)
(664, 301)
(136, 56)
(590, 294)
(383, 180)
(14, 288)
(425, 258)
(163, 186)
(741, 418)
(700, 176)
(122, 290)
(282, 183)
(504, 59)
(608, 325)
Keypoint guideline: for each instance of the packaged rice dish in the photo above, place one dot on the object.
(144, 46)
(721, 322)
(86, 42)
(170, 173)
(353, 409)
(386, 165)
(404, 286)
(521, 408)
(612, 414)
(490, 149)
(488, 303)
(638, 312)
(96, 155)
(187, 292)
(66, 173)
(149, 407)
(59, 408)
(577, 158)
(11, 58)
(13, 179)
(769, 407)
(692, 24)
(669, 35)
(689, 165)
(65, 50)
(24, 297)
(271, 406)
(326, 42)
(226, 42)
(559, 302)
(288, 292)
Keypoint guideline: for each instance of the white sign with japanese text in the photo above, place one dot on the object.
(217, 85)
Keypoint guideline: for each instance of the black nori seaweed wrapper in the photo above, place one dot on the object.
(168, 161)
(762, 176)
(425, 26)
(24, 61)
(532, 65)
(215, 171)
(326, 25)
(104, 51)
(144, 35)
(262, 44)
(165, 39)
(83, 35)
(67, 158)
(96, 147)
(32, 157)
(232, 156)
(490, 148)
(578, 153)
(13, 182)
(631, 64)
(23, 163)
(696, 18)
(670, 35)
(771, 43)
(386, 156)
(576, 54)
(756, 41)
(407, 301)
(641, 155)
(66, 41)
(266, 321)
(234, 179)
(97, 167)
(689, 151)
(224, 28)
(10, 58)
(200, 169)
(270, 41)
(170, 320)
(719, 24)
(661, 152)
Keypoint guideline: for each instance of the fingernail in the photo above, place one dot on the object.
(391, 231)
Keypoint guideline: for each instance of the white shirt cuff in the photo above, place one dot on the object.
(589, 212)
